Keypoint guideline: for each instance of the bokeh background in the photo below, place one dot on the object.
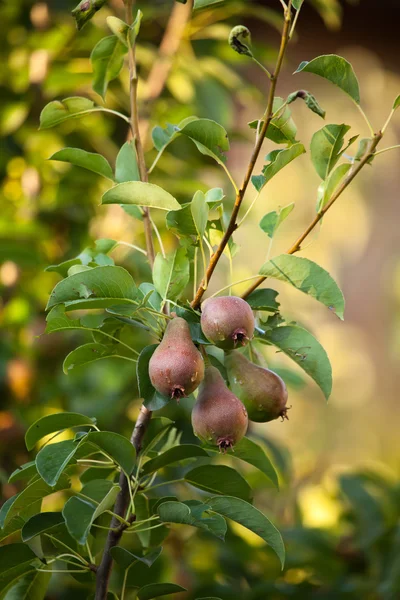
(339, 463)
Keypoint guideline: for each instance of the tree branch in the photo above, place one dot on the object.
(133, 78)
(161, 68)
(267, 117)
(120, 508)
(346, 181)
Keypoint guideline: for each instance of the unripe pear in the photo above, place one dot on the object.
(176, 367)
(218, 416)
(262, 391)
(227, 321)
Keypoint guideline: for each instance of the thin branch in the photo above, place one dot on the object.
(161, 68)
(133, 78)
(120, 507)
(387, 149)
(232, 226)
(346, 181)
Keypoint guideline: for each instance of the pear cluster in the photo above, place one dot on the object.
(220, 415)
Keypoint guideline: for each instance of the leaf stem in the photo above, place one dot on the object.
(371, 129)
(386, 149)
(226, 287)
(133, 247)
(153, 487)
(78, 556)
(232, 226)
(261, 66)
(246, 214)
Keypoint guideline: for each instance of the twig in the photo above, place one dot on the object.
(133, 78)
(121, 505)
(232, 226)
(162, 66)
(347, 180)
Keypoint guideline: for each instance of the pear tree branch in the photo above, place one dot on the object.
(352, 173)
(266, 119)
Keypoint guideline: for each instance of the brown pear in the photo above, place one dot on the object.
(218, 417)
(262, 391)
(176, 367)
(227, 321)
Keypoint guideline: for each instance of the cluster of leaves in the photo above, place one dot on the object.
(92, 281)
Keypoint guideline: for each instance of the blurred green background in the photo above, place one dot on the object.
(339, 463)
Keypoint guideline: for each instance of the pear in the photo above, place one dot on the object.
(218, 417)
(176, 367)
(227, 321)
(262, 391)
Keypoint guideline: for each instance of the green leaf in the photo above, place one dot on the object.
(180, 512)
(264, 299)
(309, 99)
(107, 59)
(52, 423)
(126, 167)
(32, 586)
(171, 274)
(98, 288)
(205, 3)
(297, 4)
(210, 138)
(154, 590)
(26, 471)
(15, 560)
(88, 353)
(306, 351)
(328, 187)
(31, 494)
(156, 429)
(282, 129)
(337, 70)
(57, 112)
(85, 11)
(135, 28)
(199, 209)
(119, 28)
(40, 523)
(279, 160)
(140, 193)
(152, 399)
(80, 513)
(126, 559)
(250, 517)
(87, 160)
(326, 148)
(52, 459)
(171, 456)
(219, 479)
(116, 446)
(181, 221)
(271, 221)
(308, 277)
(396, 103)
(254, 455)
(163, 137)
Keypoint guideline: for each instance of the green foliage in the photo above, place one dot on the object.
(305, 350)
(123, 319)
(327, 148)
(337, 70)
(308, 277)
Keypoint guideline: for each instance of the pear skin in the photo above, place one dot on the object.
(218, 417)
(176, 367)
(227, 321)
(262, 391)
